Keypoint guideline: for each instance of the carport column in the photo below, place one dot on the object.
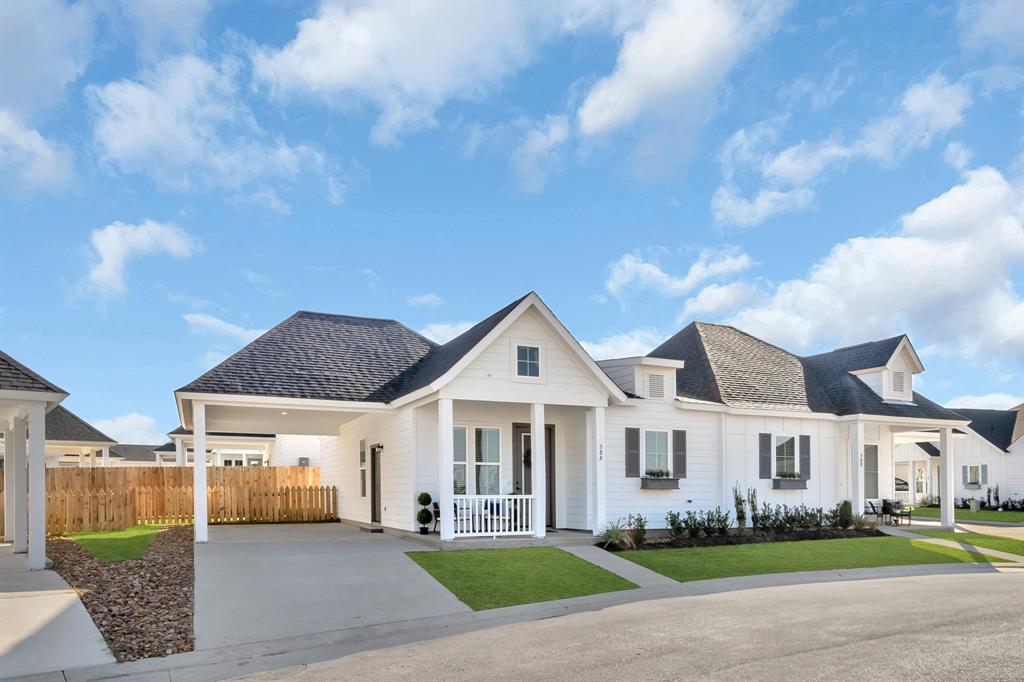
(445, 463)
(600, 479)
(8, 486)
(538, 466)
(106, 456)
(20, 487)
(857, 467)
(179, 453)
(199, 471)
(37, 486)
(947, 479)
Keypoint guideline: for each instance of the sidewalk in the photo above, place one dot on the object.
(911, 535)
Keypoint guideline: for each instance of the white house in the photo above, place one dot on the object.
(991, 455)
(397, 414)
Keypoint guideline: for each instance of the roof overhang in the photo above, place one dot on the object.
(14, 404)
(80, 443)
(644, 360)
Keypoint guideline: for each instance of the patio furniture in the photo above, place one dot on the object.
(899, 512)
(880, 515)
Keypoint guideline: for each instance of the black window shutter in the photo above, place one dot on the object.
(765, 458)
(632, 452)
(679, 454)
(805, 457)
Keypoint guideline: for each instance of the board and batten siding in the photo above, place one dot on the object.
(491, 375)
(702, 485)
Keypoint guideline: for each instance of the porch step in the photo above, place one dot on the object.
(371, 528)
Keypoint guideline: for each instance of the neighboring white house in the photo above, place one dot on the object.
(991, 454)
(397, 414)
(241, 449)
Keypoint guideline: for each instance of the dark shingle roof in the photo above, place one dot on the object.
(182, 431)
(320, 357)
(729, 366)
(15, 376)
(134, 452)
(64, 425)
(166, 447)
(995, 426)
(931, 448)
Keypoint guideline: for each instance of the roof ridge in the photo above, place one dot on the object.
(748, 335)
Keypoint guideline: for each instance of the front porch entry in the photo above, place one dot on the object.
(522, 472)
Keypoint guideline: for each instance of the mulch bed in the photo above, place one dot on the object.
(142, 607)
(747, 537)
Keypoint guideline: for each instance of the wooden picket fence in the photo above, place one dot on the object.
(233, 495)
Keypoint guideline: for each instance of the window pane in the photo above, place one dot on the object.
(460, 479)
(656, 450)
(459, 442)
(487, 446)
(362, 483)
(785, 455)
(527, 361)
(362, 452)
(487, 479)
(871, 472)
(973, 475)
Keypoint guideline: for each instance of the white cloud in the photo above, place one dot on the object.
(926, 110)
(208, 325)
(28, 161)
(674, 60)
(533, 158)
(957, 156)
(116, 244)
(443, 332)
(716, 298)
(631, 272)
(184, 125)
(628, 344)
(266, 198)
(992, 26)
(989, 401)
(430, 300)
(133, 428)
(163, 25)
(945, 277)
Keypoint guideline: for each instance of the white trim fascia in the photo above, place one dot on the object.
(751, 412)
(81, 444)
(642, 360)
(531, 300)
(33, 397)
(905, 343)
(237, 400)
(903, 420)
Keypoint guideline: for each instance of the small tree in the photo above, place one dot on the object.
(755, 517)
(845, 514)
(738, 503)
(424, 516)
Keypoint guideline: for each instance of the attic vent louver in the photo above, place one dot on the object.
(898, 382)
(656, 386)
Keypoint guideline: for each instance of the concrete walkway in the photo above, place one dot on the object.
(908, 532)
(43, 625)
(633, 572)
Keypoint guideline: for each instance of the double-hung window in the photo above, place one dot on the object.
(487, 461)
(974, 474)
(785, 456)
(655, 451)
(528, 361)
(459, 457)
(362, 468)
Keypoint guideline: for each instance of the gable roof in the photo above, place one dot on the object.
(931, 448)
(319, 356)
(15, 376)
(731, 367)
(995, 426)
(134, 452)
(64, 425)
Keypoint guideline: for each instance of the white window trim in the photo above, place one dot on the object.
(471, 457)
(541, 357)
(971, 480)
(470, 481)
(775, 454)
(643, 450)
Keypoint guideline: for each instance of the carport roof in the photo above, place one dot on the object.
(15, 376)
(64, 425)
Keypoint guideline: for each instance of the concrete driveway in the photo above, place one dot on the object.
(262, 582)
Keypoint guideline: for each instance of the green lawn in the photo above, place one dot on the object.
(491, 578)
(968, 515)
(118, 545)
(703, 563)
(979, 540)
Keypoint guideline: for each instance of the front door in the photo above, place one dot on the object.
(375, 483)
(522, 471)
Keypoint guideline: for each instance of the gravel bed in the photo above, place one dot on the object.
(142, 607)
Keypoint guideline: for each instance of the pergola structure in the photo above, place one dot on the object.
(25, 399)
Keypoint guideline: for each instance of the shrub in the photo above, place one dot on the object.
(616, 535)
(755, 518)
(424, 499)
(693, 524)
(737, 502)
(719, 521)
(637, 529)
(860, 522)
(845, 514)
(424, 516)
(674, 523)
(657, 473)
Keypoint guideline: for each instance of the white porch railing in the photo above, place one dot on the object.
(903, 497)
(493, 515)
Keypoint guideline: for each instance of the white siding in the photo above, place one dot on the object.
(564, 381)
(874, 380)
(288, 449)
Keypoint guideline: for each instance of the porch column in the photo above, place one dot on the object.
(538, 466)
(8, 486)
(37, 486)
(199, 471)
(600, 509)
(179, 453)
(20, 488)
(912, 482)
(946, 478)
(106, 456)
(445, 464)
(857, 467)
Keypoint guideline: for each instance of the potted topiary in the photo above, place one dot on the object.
(424, 516)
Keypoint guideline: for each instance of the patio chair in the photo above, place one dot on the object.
(899, 512)
(874, 512)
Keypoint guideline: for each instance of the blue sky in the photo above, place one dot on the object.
(176, 178)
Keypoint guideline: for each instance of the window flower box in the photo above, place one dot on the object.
(789, 484)
(660, 483)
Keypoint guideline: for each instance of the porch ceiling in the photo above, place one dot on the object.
(237, 419)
